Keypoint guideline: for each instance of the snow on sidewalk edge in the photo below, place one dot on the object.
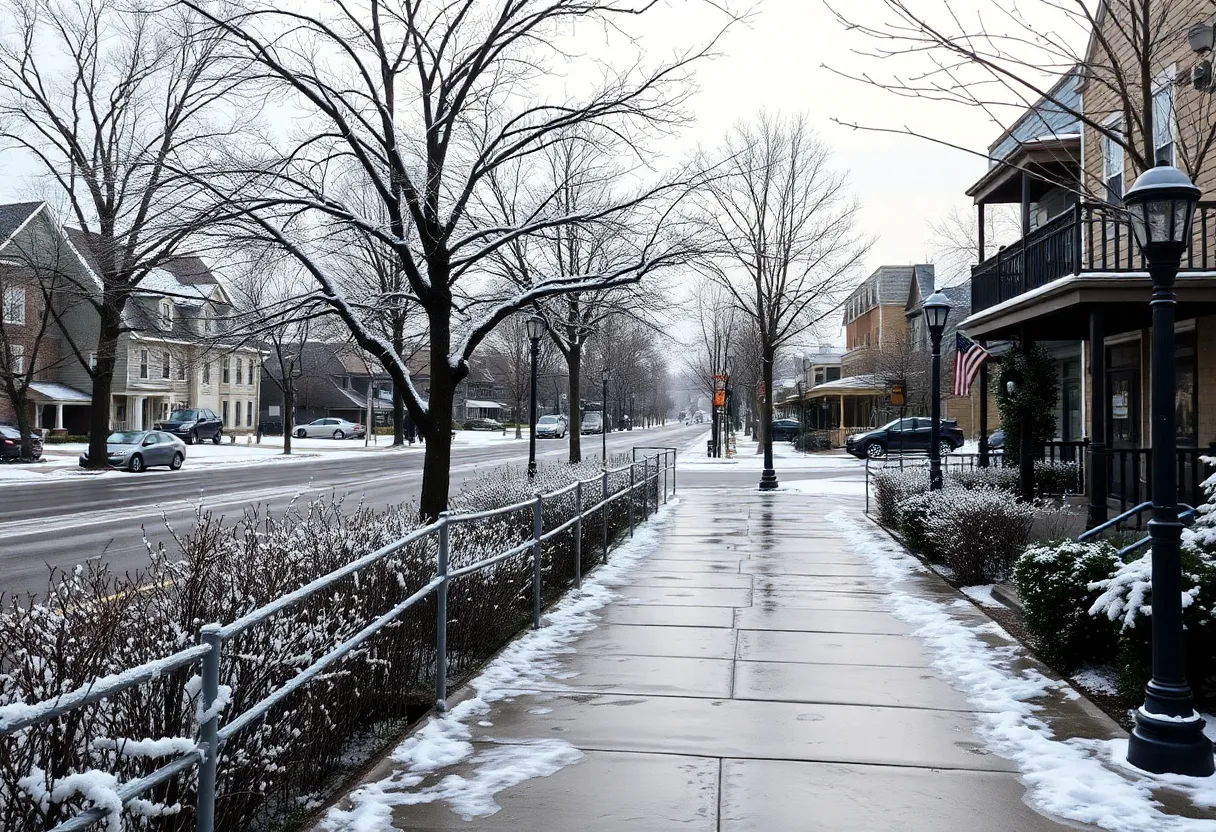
(446, 739)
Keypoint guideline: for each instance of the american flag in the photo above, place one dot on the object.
(967, 360)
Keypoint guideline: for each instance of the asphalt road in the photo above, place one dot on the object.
(62, 523)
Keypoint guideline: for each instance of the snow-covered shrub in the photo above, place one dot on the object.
(94, 623)
(1054, 477)
(892, 486)
(979, 532)
(912, 518)
(995, 476)
(1054, 582)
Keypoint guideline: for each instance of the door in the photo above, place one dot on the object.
(917, 438)
(1123, 420)
(899, 435)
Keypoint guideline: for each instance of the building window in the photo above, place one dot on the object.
(166, 314)
(166, 365)
(207, 372)
(16, 359)
(1112, 169)
(248, 414)
(1163, 124)
(227, 374)
(224, 407)
(143, 363)
(14, 306)
(181, 371)
(240, 372)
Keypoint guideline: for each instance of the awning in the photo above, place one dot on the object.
(361, 401)
(56, 393)
(484, 405)
(867, 384)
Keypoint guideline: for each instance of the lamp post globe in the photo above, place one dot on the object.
(936, 310)
(1168, 735)
(536, 328)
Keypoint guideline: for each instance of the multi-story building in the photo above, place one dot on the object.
(1075, 281)
(173, 351)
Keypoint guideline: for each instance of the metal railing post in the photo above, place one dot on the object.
(578, 536)
(537, 505)
(632, 492)
(645, 486)
(868, 484)
(666, 465)
(204, 820)
(604, 511)
(674, 458)
(441, 617)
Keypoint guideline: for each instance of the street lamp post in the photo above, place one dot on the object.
(536, 328)
(604, 421)
(1168, 735)
(937, 310)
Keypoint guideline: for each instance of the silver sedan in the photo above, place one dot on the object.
(136, 450)
(337, 428)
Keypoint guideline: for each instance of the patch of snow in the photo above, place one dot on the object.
(446, 739)
(1096, 679)
(982, 595)
(1077, 779)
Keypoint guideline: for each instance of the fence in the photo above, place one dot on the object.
(650, 479)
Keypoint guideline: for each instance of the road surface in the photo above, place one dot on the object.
(61, 523)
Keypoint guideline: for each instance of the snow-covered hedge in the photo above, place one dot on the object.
(93, 623)
(1054, 583)
(892, 486)
(912, 519)
(995, 476)
(1056, 478)
(978, 532)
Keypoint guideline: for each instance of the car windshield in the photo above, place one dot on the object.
(124, 438)
(548, 420)
(183, 416)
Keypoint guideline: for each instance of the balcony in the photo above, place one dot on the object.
(1092, 237)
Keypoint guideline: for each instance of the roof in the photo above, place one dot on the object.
(361, 401)
(56, 392)
(865, 383)
(485, 405)
(1043, 120)
(13, 217)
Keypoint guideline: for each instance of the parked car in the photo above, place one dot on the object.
(136, 450)
(997, 440)
(593, 422)
(193, 425)
(336, 428)
(10, 444)
(907, 435)
(784, 430)
(483, 424)
(551, 427)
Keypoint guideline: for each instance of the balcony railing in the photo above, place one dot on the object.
(1092, 237)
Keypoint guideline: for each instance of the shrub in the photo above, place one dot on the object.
(63, 439)
(979, 532)
(912, 518)
(1054, 583)
(892, 486)
(1005, 479)
(813, 441)
(1056, 477)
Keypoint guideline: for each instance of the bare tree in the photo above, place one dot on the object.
(785, 243)
(108, 99)
(954, 241)
(1005, 59)
(425, 102)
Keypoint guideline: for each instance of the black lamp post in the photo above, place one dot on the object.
(536, 328)
(937, 310)
(604, 421)
(1168, 737)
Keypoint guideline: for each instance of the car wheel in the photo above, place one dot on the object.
(218, 438)
(136, 464)
(875, 450)
(192, 437)
(944, 447)
(178, 459)
(301, 433)
(339, 435)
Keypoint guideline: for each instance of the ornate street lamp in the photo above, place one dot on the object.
(536, 328)
(1168, 736)
(936, 310)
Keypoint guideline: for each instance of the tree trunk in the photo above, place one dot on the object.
(21, 411)
(398, 417)
(519, 406)
(436, 465)
(574, 367)
(289, 414)
(103, 384)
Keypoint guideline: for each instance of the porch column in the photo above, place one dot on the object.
(1025, 205)
(979, 209)
(1026, 450)
(1096, 467)
(58, 415)
(983, 400)
(137, 418)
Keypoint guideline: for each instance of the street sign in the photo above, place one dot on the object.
(719, 398)
(897, 395)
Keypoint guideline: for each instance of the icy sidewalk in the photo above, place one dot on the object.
(757, 662)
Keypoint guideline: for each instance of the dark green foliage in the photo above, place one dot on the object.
(1033, 372)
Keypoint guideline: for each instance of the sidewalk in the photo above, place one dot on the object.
(758, 671)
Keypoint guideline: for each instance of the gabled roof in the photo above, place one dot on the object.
(14, 216)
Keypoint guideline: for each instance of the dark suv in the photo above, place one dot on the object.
(10, 444)
(194, 425)
(908, 435)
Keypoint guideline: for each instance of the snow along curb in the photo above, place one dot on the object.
(1073, 778)
(446, 739)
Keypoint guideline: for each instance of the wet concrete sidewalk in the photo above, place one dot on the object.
(750, 678)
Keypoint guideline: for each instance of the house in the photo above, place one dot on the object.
(170, 354)
(1074, 280)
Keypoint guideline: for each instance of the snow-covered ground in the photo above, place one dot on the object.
(445, 739)
(1084, 780)
(785, 458)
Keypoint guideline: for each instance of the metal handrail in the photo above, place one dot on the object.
(18, 717)
(1090, 534)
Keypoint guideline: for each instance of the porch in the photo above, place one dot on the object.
(139, 412)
